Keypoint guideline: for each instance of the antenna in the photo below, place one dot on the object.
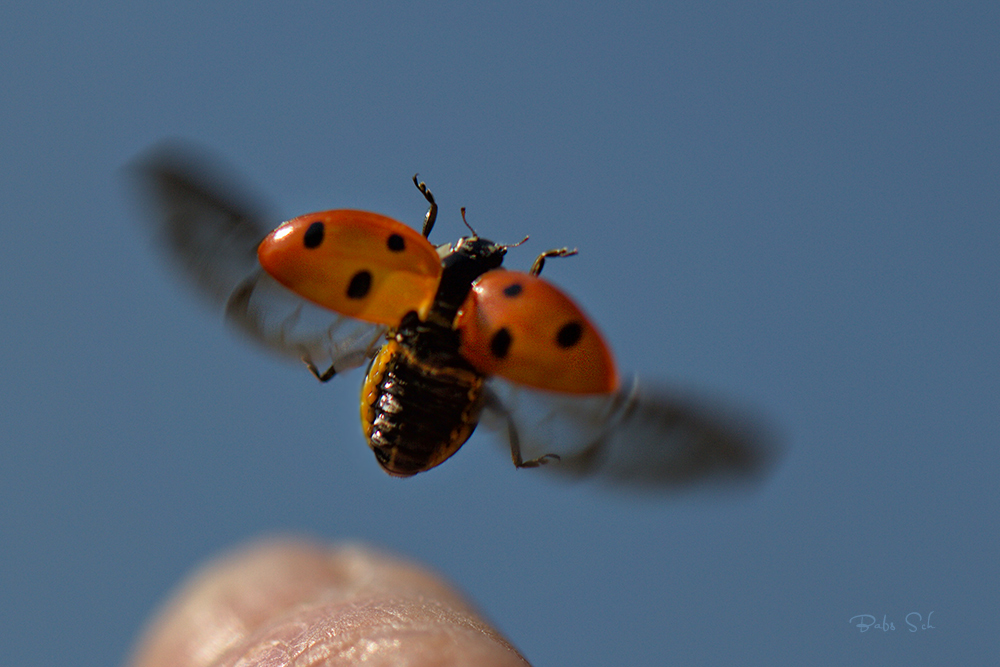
(468, 225)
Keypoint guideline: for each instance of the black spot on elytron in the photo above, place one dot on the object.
(513, 289)
(569, 335)
(500, 343)
(314, 235)
(396, 243)
(360, 284)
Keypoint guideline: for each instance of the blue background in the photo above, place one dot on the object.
(793, 206)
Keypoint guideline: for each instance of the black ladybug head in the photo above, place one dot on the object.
(470, 258)
(479, 251)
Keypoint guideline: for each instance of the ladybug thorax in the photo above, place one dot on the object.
(463, 262)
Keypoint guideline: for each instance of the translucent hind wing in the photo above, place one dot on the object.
(639, 436)
(275, 317)
(210, 229)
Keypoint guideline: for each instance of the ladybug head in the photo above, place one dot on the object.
(485, 254)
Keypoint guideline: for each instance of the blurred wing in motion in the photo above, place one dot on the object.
(210, 228)
(639, 436)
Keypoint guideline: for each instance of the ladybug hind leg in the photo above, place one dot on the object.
(515, 441)
(515, 453)
(536, 268)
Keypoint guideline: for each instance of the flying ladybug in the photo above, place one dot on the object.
(450, 337)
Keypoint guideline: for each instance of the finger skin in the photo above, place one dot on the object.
(290, 602)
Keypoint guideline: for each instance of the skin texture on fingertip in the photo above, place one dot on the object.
(291, 602)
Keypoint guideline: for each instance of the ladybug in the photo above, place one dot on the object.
(453, 319)
(450, 336)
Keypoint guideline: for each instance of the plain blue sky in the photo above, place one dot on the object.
(796, 207)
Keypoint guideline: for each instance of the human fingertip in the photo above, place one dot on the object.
(286, 601)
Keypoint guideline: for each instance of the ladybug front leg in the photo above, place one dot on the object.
(536, 268)
(432, 209)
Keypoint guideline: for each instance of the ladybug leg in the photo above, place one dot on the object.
(536, 268)
(495, 405)
(515, 451)
(325, 376)
(432, 209)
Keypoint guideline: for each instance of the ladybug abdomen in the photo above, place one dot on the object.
(417, 410)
